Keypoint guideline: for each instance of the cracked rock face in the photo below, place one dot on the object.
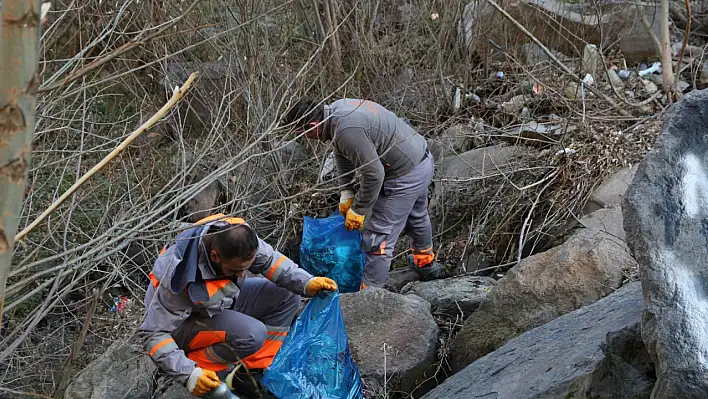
(593, 352)
(666, 223)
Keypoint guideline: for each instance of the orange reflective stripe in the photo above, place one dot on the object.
(382, 249)
(203, 359)
(207, 338)
(363, 286)
(264, 357)
(160, 345)
(213, 286)
(220, 216)
(154, 280)
(275, 267)
(423, 251)
(162, 251)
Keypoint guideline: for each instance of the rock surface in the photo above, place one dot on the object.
(608, 220)
(176, 391)
(666, 221)
(541, 288)
(452, 297)
(593, 352)
(376, 317)
(123, 371)
(612, 191)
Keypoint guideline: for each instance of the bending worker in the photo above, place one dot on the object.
(396, 169)
(203, 316)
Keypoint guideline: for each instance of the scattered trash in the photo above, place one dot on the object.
(119, 303)
(615, 80)
(624, 74)
(525, 114)
(571, 90)
(588, 80)
(656, 67)
(328, 166)
(500, 75)
(514, 105)
(565, 151)
(473, 97)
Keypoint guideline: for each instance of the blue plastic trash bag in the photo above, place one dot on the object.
(328, 249)
(314, 361)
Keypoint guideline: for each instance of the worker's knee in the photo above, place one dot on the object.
(249, 341)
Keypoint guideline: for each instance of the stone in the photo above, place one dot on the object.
(532, 54)
(609, 220)
(611, 192)
(123, 371)
(176, 391)
(683, 86)
(635, 43)
(478, 264)
(207, 94)
(393, 338)
(452, 297)
(588, 266)
(666, 218)
(593, 352)
(456, 139)
(649, 86)
(398, 278)
(203, 204)
(479, 163)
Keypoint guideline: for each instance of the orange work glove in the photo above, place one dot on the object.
(345, 202)
(202, 381)
(354, 220)
(317, 284)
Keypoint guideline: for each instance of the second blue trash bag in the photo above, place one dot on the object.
(328, 249)
(314, 361)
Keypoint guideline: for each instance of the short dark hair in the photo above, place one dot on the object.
(235, 242)
(303, 113)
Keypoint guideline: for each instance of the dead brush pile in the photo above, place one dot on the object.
(108, 66)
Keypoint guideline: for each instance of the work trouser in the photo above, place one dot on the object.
(402, 207)
(252, 332)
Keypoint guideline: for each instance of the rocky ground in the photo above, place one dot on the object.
(577, 253)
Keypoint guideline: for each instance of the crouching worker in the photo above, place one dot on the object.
(206, 323)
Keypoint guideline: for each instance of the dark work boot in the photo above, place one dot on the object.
(247, 383)
(431, 271)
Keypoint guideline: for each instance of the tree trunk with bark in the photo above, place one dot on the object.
(19, 81)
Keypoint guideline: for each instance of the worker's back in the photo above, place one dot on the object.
(398, 145)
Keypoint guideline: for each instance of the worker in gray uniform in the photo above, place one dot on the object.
(205, 323)
(395, 170)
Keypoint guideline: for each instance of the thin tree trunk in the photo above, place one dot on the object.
(666, 61)
(19, 81)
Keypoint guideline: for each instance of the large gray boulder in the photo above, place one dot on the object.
(593, 352)
(666, 222)
(590, 265)
(452, 297)
(123, 371)
(392, 337)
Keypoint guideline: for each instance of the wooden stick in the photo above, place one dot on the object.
(553, 58)
(177, 95)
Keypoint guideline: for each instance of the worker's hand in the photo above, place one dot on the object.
(202, 381)
(317, 284)
(354, 220)
(345, 202)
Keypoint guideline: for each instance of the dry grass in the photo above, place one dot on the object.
(103, 70)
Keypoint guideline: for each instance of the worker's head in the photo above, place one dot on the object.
(306, 116)
(232, 249)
